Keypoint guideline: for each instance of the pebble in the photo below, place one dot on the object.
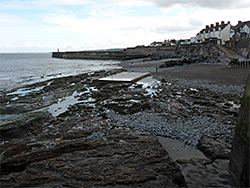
(189, 131)
(217, 88)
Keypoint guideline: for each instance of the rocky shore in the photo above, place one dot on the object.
(78, 131)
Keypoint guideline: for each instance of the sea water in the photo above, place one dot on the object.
(19, 69)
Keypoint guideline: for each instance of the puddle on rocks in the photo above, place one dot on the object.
(234, 105)
(6, 116)
(150, 84)
(25, 91)
(124, 76)
(64, 103)
(15, 98)
(178, 150)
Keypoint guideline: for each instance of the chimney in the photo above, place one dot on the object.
(207, 26)
(239, 21)
(211, 25)
(217, 23)
(222, 22)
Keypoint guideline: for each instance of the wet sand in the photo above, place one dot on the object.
(214, 73)
(219, 73)
(179, 150)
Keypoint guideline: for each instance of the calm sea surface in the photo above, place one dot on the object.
(18, 69)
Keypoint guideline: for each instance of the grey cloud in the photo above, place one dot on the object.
(214, 4)
(172, 29)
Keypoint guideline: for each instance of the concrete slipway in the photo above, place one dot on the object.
(125, 77)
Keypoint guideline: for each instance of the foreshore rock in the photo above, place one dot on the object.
(96, 134)
(87, 152)
(79, 146)
(214, 149)
(206, 173)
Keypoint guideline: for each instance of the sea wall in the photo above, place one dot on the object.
(105, 55)
(139, 51)
(204, 49)
(130, 53)
(239, 162)
(165, 51)
(241, 46)
(58, 54)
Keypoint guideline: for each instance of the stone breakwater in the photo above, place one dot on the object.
(206, 50)
(104, 55)
(99, 55)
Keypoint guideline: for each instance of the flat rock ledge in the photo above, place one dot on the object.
(88, 153)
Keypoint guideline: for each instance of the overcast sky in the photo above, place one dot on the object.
(45, 25)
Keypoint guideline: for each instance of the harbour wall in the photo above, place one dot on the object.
(205, 49)
(104, 55)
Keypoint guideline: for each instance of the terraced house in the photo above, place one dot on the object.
(218, 33)
(241, 30)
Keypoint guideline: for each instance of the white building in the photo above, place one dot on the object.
(242, 29)
(193, 40)
(156, 44)
(218, 33)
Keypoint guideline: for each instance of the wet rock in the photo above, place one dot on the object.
(186, 59)
(203, 102)
(93, 143)
(22, 126)
(127, 107)
(206, 173)
(115, 158)
(15, 108)
(214, 149)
